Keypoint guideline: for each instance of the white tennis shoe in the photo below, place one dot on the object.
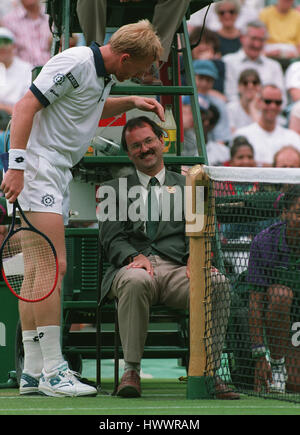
(279, 378)
(63, 382)
(28, 384)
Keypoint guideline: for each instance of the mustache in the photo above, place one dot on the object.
(143, 155)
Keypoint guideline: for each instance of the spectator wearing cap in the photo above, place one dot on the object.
(205, 75)
(217, 152)
(15, 73)
(205, 45)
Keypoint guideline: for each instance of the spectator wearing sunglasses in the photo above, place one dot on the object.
(244, 111)
(229, 34)
(267, 135)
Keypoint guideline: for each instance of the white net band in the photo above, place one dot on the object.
(250, 175)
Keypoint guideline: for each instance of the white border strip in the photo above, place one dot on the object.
(264, 175)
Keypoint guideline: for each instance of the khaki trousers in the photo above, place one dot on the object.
(137, 291)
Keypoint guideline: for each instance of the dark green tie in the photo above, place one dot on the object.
(153, 209)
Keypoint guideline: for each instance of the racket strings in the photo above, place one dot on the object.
(29, 265)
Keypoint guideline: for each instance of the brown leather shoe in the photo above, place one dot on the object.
(130, 385)
(223, 392)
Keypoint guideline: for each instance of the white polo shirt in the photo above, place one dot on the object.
(292, 76)
(17, 79)
(269, 71)
(73, 87)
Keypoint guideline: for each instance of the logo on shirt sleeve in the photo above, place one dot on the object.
(58, 79)
(72, 79)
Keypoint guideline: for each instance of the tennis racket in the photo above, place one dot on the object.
(28, 259)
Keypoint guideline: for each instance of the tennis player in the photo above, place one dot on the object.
(52, 126)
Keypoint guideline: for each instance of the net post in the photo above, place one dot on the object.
(200, 380)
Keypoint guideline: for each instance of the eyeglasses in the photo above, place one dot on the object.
(148, 142)
(229, 11)
(269, 101)
(247, 82)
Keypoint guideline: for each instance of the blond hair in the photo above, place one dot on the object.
(138, 39)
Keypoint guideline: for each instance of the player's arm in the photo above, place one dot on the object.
(115, 106)
(21, 125)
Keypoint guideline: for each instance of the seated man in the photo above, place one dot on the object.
(149, 256)
(274, 305)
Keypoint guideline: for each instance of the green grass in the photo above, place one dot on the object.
(160, 397)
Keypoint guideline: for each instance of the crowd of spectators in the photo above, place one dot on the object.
(258, 73)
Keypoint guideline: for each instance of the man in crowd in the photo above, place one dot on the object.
(267, 136)
(251, 56)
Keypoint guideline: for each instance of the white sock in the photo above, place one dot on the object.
(49, 337)
(33, 358)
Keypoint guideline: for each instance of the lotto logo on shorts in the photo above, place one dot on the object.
(48, 200)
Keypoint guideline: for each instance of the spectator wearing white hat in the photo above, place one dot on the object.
(15, 73)
(205, 75)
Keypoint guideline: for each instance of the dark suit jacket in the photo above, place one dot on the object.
(122, 239)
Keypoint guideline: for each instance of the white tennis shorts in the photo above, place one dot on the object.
(46, 187)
